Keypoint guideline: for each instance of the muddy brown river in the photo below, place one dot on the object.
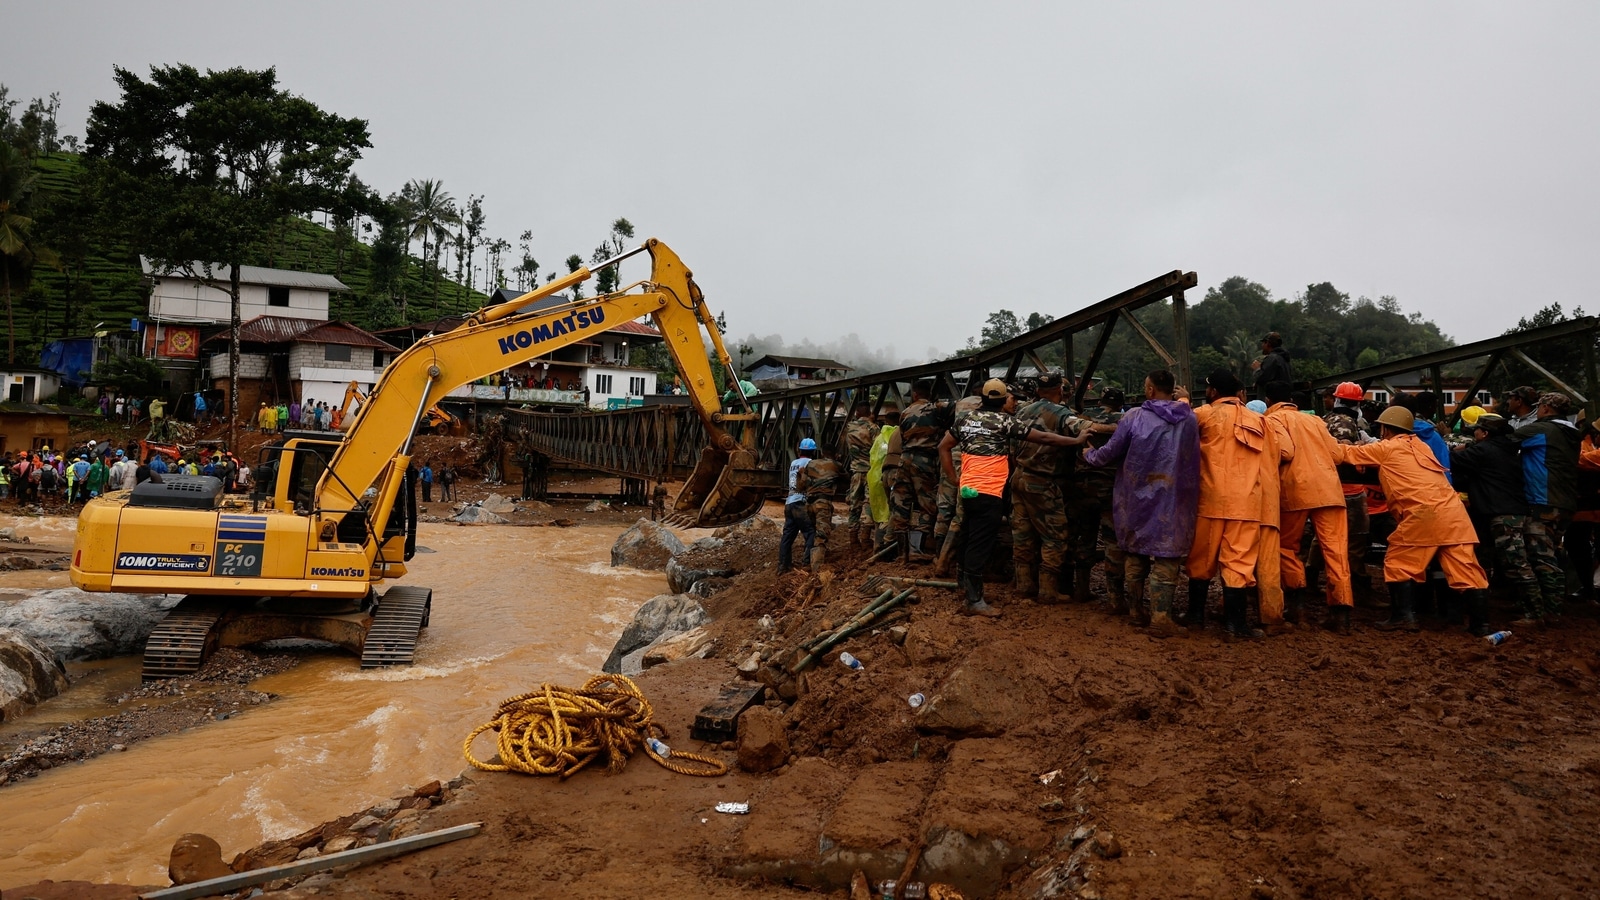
(512, 607)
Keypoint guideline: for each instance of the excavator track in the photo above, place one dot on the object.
(181, 642)
(400, 615)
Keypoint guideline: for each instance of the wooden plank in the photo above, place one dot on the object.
(398, 847)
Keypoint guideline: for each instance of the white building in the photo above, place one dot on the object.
(26, 385)
(180, 299)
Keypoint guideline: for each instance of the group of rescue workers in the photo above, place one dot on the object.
(1264, 493)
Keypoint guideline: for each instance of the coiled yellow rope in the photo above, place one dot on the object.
(558, 731)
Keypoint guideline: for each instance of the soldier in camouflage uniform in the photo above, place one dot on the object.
(1038, 512)
(1089, 512)
(949, 505)
(922, 425)
(858, 435)
(897, 484)
(987, 437)
(819, 480)
(1549, 448)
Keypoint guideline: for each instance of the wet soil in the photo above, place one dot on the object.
(1115, 764)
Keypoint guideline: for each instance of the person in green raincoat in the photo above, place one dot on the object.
(96, 482)
(877, 491)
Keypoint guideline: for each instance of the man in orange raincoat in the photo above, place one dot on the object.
(1238, 513)
(1430, 521)
(1309, 489)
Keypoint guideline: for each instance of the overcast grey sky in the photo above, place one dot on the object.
(901, 169)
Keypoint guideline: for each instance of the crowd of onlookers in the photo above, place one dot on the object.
(86, 471)
(312, 415)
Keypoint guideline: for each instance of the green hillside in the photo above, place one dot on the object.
(101, 282)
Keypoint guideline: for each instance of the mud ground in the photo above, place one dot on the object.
(1108, 763)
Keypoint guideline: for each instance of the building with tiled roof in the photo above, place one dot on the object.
(283, 358)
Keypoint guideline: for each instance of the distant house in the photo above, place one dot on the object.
(28, 385)
(406, 335)
(32, 426)
(283, 359)
(178, 298)
(778, 373)
(1454, 390)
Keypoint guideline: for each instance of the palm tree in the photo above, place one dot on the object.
(19, 252)
(1241, 350)
(432, 212)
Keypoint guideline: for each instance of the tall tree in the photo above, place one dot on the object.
(20, 249)
(433, 211)
(197, 168)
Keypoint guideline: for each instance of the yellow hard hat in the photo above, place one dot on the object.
(1469, 416)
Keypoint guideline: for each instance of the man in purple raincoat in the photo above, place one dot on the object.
(1156, 496)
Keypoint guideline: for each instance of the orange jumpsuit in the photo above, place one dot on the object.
(1430, 519)
(1310, 489)
(1238, 495)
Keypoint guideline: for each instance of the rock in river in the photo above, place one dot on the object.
(30, 673)
(663, 614)
(77, 625)
(646, 545)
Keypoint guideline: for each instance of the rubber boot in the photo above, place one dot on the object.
(975, 604)
(1477, 603)
(1402, 607)
(1080, 584)
(1136, 605)
(1293, 600)
(1050, 587)
(866, 535)
(1026, 580)
(1161, 623)
(1117, 596)
(1337, 620)
(1196, 619)
(920, 547)
(1236, 614)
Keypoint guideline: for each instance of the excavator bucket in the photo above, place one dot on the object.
(723, 490)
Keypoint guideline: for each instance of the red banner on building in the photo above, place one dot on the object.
(179, 342)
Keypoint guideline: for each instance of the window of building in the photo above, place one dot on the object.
(1380, 397)
(636, 386)
(336, 352)
(602, 384)
(277, 296)
(1485, 397)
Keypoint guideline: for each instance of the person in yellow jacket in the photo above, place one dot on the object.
(1430, 522)
(877, 490)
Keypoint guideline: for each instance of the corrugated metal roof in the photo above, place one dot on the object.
(269, 330)
(437, 326)
(638, 328)
(343, 333)
(256, 275)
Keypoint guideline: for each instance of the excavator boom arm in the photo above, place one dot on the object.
(502, 336)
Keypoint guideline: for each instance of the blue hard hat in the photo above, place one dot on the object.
(808, 444)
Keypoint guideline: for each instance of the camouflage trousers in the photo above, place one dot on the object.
(923, 472)
(1511, 558)
(1161, 577)
(1088, 526)
(902, 497)
(860, 504)
(1038, 522)
(1542, 533)
(947, 507)
(821, 511)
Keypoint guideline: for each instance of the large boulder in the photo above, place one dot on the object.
(196, 857)
(662, 614)
(682, 576)
(478, 515)
(696, 643)
(500, 506)
(76, 625)
(646, 545)
(30, 673)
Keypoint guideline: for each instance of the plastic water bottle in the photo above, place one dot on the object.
(1497, 638)
(662, 750)
(916, 700)
(850, 661)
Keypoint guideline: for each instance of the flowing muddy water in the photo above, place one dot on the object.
(512, 607)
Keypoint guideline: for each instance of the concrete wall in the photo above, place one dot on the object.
(181, 299)
(31, 387)
(251, 365)
(29, 431)
(312, 356)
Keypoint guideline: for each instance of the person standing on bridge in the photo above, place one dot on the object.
(796, 518)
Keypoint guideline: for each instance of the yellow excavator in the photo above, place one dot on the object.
(434, 421)
(332, 519)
